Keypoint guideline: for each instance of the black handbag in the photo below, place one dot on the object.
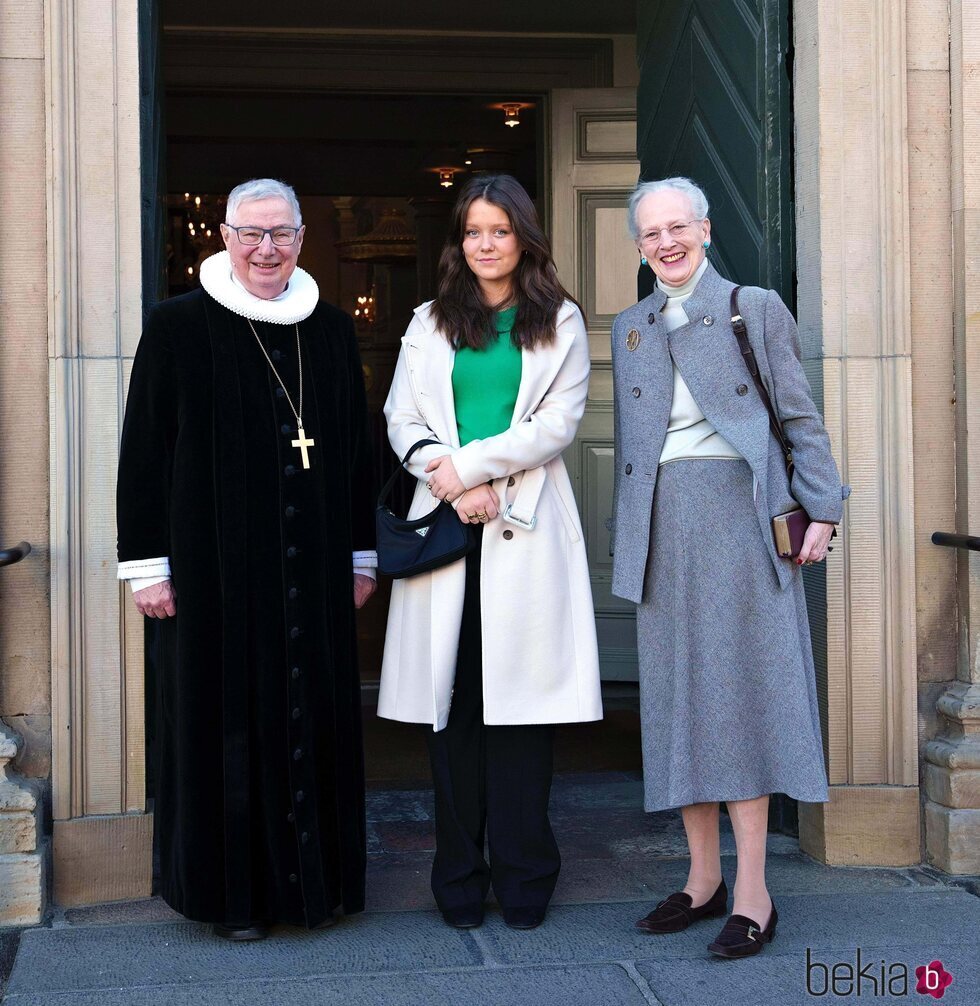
(409, 547)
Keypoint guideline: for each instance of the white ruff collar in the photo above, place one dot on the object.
(296, 302)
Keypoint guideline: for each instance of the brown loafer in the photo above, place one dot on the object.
(675, 913)
(741, 937)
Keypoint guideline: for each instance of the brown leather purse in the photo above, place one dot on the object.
(788, 529)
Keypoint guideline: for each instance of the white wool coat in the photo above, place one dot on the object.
(540, 661)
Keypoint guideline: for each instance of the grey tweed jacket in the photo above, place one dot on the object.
(707, 355)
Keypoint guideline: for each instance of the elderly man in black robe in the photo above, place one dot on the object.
(246, 523)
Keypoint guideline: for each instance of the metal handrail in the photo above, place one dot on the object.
(8, 556)
(970, 541)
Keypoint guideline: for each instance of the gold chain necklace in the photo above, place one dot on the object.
(302, 443)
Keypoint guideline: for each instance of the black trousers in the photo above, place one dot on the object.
(491, 782)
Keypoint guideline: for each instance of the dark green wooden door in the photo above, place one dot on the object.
(714, 105)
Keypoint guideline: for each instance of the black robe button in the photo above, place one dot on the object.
(286, 429)
(293, 593)
(293, 878)
(289, 471)
(290, 817)
(300, 796)
(276, 355)
(290, 511)
(305, 837)
(297, 712)
(291, 552)
(651, 318)
(297, 754)
(294, 632)
(296, 672)
(280, 393)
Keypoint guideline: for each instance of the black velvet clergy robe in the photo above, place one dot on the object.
(260, 798)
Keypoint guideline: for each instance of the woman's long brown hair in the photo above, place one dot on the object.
(460, 311)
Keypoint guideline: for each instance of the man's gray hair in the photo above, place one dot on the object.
(262, 188)
(698, 200)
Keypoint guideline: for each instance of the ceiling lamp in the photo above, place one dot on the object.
(446, 177)
(390, 243)
(512, 113)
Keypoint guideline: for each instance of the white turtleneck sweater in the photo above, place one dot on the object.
(689, 434)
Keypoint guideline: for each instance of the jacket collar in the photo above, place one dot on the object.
(705, 295)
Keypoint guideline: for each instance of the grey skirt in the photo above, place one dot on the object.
(728, 700)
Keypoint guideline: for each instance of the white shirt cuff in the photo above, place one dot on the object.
(158, 569)
(366, 563)
(142, 582)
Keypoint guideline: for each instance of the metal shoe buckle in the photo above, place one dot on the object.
(508, 515)
(751, 931)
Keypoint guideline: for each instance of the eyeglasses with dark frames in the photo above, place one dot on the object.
(281, 236)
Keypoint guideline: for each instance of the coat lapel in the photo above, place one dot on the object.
(430, 361)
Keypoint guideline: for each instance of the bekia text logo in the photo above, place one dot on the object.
(873, 978)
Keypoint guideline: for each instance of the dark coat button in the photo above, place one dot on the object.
(293, 593)
(742, 389)
(297, 754)
(289, 471)
(296, 672)
(290, 817)
(290, 511)
(508, 534)
(294, 632)
(286, 429)
(280, 393)
(629, 469)
(511, 481)
(297, 713)
(305, 837)
(636, 392)
(300, 796)
(291, 552)
(293, 878)
(276, 355)
(707, 320)
(651, 318)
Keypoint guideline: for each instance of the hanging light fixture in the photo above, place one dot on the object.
(446, 177)
(512, 113)
(365, 307)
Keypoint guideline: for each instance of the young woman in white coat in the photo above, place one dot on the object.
(494, 649)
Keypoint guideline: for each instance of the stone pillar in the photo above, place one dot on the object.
(21, 864)
(102, 838)
(853, 254)
(952, 770)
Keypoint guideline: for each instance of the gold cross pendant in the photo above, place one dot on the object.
(302, 443)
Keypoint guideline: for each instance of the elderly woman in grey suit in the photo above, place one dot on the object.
(727, 693)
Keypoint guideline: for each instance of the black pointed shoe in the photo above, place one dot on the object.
(675, 913)
(463, 917)
(741, 937)
(241, 934)
(529, 917)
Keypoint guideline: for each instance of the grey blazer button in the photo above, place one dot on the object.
(742, 389)
(508, 534)
(707, 320)
(629, 469)
(636, 392)
(651, 318)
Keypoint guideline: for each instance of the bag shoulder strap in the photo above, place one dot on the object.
(386, 489)
(748, 355)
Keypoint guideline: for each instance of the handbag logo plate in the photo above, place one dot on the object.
(423, 531)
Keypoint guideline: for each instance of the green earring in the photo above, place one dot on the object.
(707, 245)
